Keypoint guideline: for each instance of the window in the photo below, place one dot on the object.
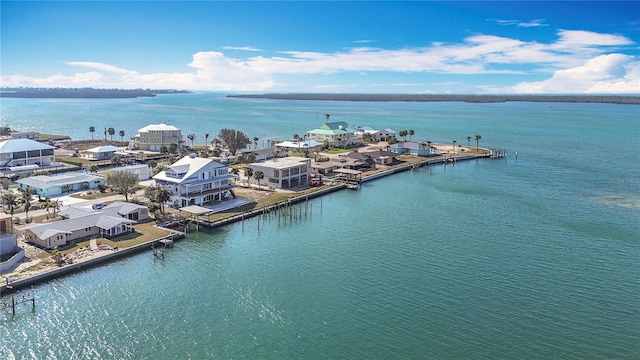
(276, 173)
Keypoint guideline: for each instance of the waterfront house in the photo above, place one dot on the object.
(299, 146)
(48, 186)
(156, 136)
(33, 135)
(337, 134)
(412, 147)
(102, 152)
(259, 154)
(196, 181)
(285, 173)
(81, 223)
(376, 135)
(370, 159)
(15, 153)
(11, 254)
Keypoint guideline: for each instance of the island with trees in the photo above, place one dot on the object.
(610, 99)
(87, 93)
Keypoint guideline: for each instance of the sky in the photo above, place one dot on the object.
(414, 47)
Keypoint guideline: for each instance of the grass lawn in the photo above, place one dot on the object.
(143, 232)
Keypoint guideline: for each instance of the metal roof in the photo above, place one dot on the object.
(45, 181)
(159, 127)
(16, 145)
(103, 149)
(189, 166)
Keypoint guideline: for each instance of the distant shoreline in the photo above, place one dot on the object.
(607, 99)
(83, 93)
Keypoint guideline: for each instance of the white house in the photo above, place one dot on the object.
(196, 181)
(154, 137)
(105, 152)
(22, 152)
(285, 173)
(377, 135)
(301, 145)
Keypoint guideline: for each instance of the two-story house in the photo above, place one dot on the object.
(196, 181)
(285, 173)
(154, 137)
(333, 134)
(25, 152)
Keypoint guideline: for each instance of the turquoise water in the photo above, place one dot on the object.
(534, 258)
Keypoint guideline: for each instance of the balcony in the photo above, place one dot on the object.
(191, 194)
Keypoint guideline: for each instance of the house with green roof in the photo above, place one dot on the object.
(337, 134)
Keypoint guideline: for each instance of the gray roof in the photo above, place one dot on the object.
(113, 209)
(44, 181)
(44, 231)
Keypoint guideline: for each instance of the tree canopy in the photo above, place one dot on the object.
(234, 140)
(123, 182)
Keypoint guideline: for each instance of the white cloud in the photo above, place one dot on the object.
(100, 66)
(575, 63)
(605, 74)
(519, 23)
(242, 48)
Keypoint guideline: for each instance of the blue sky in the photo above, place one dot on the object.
(576, 47)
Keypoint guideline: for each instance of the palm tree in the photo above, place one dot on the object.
(55, 205)
(411, 132)
(403, 134)
(121, 133)
(469, 142)
(115, 161)
(92, 129)
(105, 134)
(248, 172)
(206, 145)
(429, 145)
(111, 132)
(153, 208)
(327, 116)
(255, 142)
(27, 193)
(162, 196)
(454, 146)
(191, 137)
(10, 201)
(259, 175)
(478, 137)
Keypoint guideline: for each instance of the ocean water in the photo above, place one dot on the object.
(534, 257)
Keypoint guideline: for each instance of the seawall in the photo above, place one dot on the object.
(84, 264)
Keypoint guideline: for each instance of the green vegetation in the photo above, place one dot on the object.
(337, 151)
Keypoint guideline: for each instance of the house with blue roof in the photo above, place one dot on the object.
(25, 152)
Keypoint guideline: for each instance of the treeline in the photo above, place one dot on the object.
(92, 93)
(611, 99)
